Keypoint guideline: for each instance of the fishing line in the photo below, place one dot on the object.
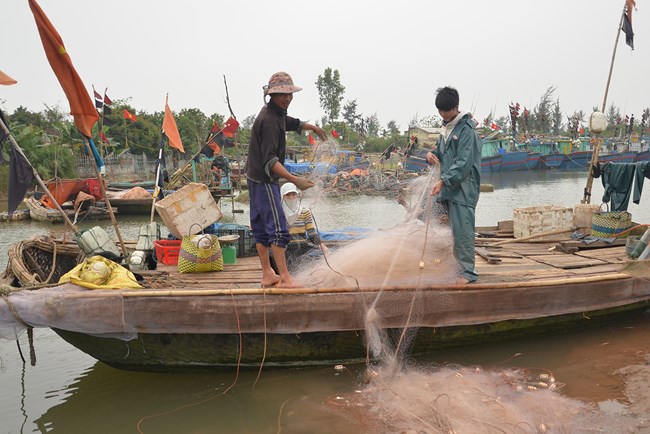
(259, 372)
(193, 404)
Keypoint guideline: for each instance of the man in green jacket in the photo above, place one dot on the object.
(459, 153)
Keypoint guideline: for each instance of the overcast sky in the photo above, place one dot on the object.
(391, 55)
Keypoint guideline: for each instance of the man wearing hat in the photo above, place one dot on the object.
(264, 168)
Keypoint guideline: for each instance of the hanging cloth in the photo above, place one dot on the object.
(617, 180)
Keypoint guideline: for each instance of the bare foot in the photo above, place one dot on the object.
(269, 279)
(289, 282)
(461, 281)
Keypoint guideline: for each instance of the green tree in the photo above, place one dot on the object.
(557, 118)
(613, 114)
(22, 116)
(350, 114)
(392, 128)
(330, 91)
(542, 114)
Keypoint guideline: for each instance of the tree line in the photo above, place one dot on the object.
(52, 142)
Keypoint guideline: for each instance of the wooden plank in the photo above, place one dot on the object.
(581, 245)
(568, 261)
(483, 253)
(501, 253)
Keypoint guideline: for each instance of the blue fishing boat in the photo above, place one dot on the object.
(576, 160)
(417, 162)
(342, 160)
(642, 156)
(491, 164)
(619, 157)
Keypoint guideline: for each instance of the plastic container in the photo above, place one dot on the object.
(229, 254)
(189, 210)
(167, 251)
(147, 235)
(641, 245)
(245, 244)
(137, 261)
(95, 241)
(630, 244)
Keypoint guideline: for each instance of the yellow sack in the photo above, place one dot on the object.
(203, 256)
(100, 273)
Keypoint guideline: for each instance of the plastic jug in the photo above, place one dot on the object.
(229, 253)
(95, 241)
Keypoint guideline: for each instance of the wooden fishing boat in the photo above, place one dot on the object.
(224, 319)
(22, 214)
(40, 212)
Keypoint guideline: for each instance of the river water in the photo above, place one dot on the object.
(69, 392)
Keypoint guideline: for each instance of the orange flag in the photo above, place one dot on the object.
(6, 80)
(311, 140)
(171, 130)
(81, 106)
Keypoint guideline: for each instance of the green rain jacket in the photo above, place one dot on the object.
(460, 156)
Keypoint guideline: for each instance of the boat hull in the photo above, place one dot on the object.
(576, 160)
(186, 352)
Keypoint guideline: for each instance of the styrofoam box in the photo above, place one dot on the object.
(189, 210)
(541, 218)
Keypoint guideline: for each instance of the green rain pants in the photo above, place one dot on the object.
(462, 220)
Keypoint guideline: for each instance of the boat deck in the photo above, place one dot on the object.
(522, 262)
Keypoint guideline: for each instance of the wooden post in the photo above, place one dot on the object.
(106, 200)
(40, 182)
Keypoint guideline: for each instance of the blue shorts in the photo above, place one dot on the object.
(268, 222)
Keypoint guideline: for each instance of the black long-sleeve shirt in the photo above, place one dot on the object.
(268, 142)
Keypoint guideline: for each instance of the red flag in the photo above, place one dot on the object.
(6, 80)
(104, 138)
(171, 130)
(582, 131)
(311, 140)
(107, 100)
(81, 106)
(335, 134)
(215, 128)
(97, 95)
(230, 127)
(494, 126)
(129, 116)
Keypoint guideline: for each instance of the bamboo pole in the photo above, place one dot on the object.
(40, 182)
(594, 155)
(106, 200)
(531, 237)
(345, 290)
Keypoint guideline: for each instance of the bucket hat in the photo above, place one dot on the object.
(281, 82)
(287, 188)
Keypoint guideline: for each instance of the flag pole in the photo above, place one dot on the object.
(5, 130)
(594, 155)
(174, 179)
(106, 200)
(126, 135)
(156, 190)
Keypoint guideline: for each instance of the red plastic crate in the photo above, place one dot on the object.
(167, 251)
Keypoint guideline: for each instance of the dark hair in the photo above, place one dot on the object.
(447, 98)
